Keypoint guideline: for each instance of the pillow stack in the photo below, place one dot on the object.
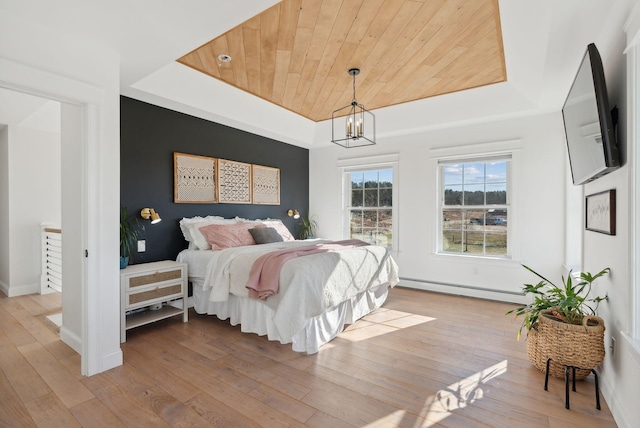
(216, 233)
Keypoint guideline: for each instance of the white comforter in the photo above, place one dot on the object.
(309, 285)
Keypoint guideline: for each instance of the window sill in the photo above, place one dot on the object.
(634, 345)
(479, 260)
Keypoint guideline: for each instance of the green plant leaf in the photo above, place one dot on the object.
(572, 301)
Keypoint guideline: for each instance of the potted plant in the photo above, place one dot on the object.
(567, 313)
(307, 227)
(128, 238)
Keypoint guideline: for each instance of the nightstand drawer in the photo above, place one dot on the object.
(153, 278)
(167, 292)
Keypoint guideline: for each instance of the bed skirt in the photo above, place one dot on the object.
(254, 316)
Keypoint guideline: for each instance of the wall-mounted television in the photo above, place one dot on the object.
(589, 123)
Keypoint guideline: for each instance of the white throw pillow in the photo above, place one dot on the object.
(189, 227)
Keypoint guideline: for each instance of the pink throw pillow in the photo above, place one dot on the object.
(221, 236)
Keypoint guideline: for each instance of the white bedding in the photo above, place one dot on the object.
(318, 294)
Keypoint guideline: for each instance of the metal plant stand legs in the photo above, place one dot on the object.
(566, 382)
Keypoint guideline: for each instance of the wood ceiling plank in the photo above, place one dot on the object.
(329, 12)
(467, 24)
(192, 59)
(340, 93)
(209, 61)
(288, 23)
(423, 81)
(308, 72)
(309, 11)
(300, 46)
(388, 56)
(235, 43)
(427, 36)
(251, 38)
(283, 58)
(478, 55)
(268, 45)
(290, 90)
(252, 23)
(318, 111)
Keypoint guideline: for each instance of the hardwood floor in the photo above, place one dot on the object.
(422, 360)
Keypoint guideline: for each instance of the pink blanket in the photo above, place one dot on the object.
(264, 278)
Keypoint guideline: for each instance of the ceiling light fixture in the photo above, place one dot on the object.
(360, 123)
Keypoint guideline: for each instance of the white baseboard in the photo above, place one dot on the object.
(19, 290)
(464, 290)
(71, 339)
(110, 361)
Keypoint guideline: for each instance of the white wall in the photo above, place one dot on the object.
(33, 196)
(620, 370)
(537, 220)
(69, 67)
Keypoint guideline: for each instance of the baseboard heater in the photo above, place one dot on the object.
(465, 290)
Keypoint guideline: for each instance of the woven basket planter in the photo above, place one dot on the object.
(566, 344)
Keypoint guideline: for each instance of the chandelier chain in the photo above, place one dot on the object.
(354, 89)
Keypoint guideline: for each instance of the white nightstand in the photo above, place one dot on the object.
(149, 284)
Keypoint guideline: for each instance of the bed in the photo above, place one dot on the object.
(319, 292)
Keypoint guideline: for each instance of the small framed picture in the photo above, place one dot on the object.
(600, 212)
(234, 182)
(266, 185)
(194, 179)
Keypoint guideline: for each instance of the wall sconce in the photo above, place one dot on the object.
(293, 213)
(150, 213)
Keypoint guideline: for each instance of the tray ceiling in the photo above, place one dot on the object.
(297, 53)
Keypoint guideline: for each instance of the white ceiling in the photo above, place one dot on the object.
(544, 41)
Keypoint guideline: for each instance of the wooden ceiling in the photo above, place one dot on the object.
(297, 53)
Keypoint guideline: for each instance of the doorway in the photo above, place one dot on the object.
(91, 301)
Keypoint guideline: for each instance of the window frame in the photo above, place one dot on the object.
(442, 164)
(478, 152)
(371, 163)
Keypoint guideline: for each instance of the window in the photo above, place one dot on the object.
(369, 205)
(474, 206)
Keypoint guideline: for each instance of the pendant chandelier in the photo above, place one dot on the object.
(359, 128)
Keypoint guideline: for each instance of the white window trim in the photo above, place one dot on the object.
(372, 163)
(478, 151)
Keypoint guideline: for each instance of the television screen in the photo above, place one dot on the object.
(589, 123)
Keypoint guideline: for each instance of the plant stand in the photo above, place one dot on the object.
(572, 370)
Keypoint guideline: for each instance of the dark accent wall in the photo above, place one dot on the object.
(149, 135)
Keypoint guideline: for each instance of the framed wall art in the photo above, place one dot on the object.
(234, 182)
(266, 185)
(194, 179)
(600, 211)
